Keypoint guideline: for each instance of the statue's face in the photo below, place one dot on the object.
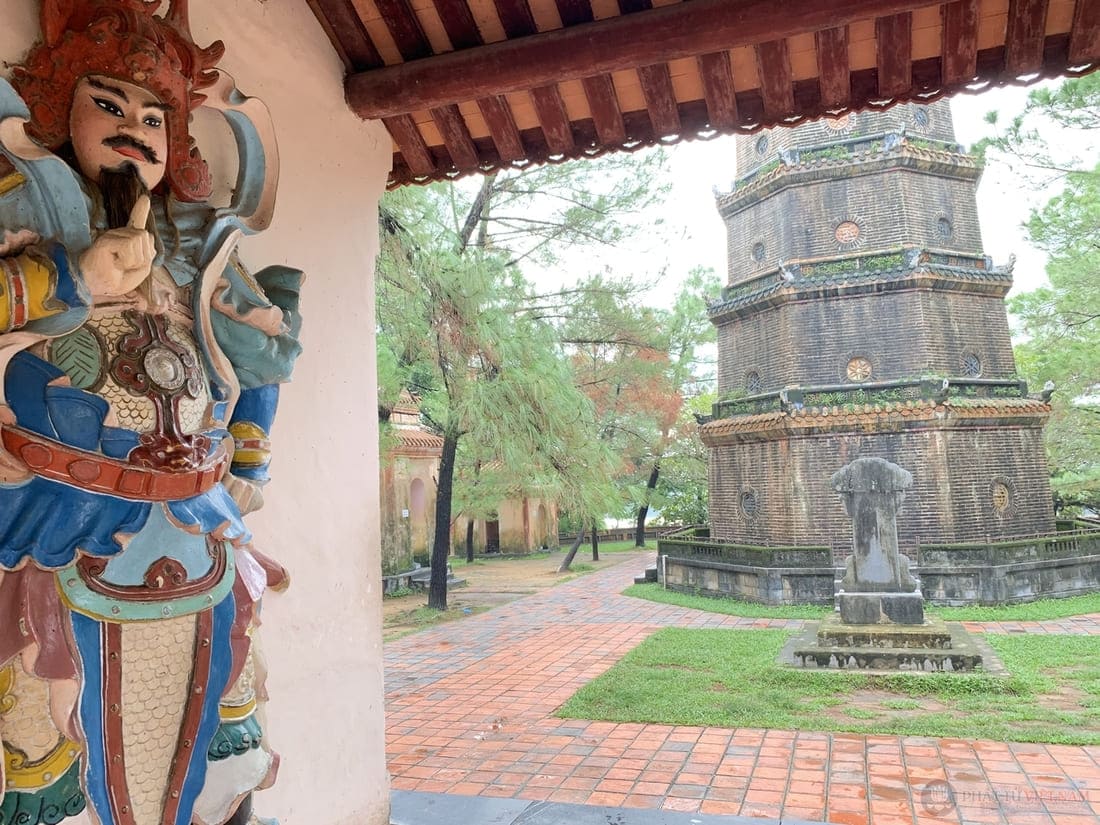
(114, 123)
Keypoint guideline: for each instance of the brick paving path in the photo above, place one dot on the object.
(470, 704)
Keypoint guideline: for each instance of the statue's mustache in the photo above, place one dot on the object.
(119, 141)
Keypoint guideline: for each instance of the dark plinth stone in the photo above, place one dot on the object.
(875, 608)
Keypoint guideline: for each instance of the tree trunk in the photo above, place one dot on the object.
(470, 521)
(478, 214)
(568, 560)
(595, 543)
(441, 544)
(643, 511)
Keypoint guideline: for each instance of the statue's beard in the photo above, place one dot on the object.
(120, 187)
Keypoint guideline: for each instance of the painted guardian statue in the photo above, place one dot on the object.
(140, 361)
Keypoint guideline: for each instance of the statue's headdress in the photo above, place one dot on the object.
(124, 40)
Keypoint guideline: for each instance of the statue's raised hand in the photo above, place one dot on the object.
(119, 260)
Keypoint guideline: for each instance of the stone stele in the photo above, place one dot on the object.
(877, 585)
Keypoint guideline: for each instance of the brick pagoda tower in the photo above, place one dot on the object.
(863, 319)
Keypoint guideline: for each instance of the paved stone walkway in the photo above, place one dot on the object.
(470, 704)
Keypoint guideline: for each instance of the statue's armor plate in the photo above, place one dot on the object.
(134, 412)
(156, 679)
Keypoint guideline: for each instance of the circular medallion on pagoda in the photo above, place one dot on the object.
(753, 382)
(847, 232)
(749, 504)
(762, 145)
(1000, 495)
(859, 369)
(841, 124)
(971, 365)
(759, 252)
(922, 119)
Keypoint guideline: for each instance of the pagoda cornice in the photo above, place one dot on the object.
(805, 166)
(897, 416)
(904, 268)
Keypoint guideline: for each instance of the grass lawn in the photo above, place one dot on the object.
(729, 678)
(583, 552)
(730, 607)
(1034, 611)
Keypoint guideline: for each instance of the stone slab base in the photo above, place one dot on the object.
(933, 634)
(875, 608)
(965, 653)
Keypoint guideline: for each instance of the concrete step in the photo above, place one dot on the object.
(650, 575)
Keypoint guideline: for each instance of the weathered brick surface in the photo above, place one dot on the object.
(903, 334)
(954, 470)
(899, 206)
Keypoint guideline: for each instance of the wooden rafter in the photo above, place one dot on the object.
(1084, 42)
(660, 99)
(411, 143)
(1024, 40)
(717, 76)
(644, 38)
(553, 118)
(515, 16)
(832, 65)
(604, 106)
(960, 41)
(404, 27)
(348, 34)
(773, 65)
(502, 128)
(458, 21)
(456, 137)
(894, 54)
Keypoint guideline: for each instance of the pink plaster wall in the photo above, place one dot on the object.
(323, 637)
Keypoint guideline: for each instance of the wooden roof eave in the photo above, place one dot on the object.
(456, 104)
(613, 44)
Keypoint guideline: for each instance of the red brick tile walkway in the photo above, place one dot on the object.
(470, 704)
